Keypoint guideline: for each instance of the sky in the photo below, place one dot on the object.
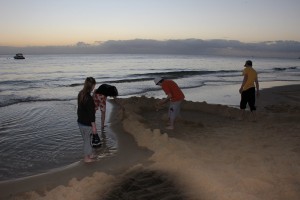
(67, 22)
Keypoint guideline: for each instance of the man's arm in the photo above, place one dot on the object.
(243, 83)
(164, 101)
(257, 87)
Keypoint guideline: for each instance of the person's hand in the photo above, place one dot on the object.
(94, 129)
(257, 93)
(241, 90)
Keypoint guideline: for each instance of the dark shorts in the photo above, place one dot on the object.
(248, 96)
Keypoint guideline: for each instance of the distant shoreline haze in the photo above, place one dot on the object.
(219, 47)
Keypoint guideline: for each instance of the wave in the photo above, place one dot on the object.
(38, 83)
(10, 102)
(18, 82)
(75, 84)
(170, 74)
(126, 80)
(284, 68)
(185, 73)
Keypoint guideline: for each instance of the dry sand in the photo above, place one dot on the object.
(209, 156)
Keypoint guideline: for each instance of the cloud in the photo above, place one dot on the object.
(82, 44)
(284, 49)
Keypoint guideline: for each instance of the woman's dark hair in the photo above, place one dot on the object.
(87, 88)
(107, 90)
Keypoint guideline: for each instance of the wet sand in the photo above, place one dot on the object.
(210, 155)
(80, 171)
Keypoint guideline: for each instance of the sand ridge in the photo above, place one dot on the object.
(215, 156)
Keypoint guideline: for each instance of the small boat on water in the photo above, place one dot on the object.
(19, 56)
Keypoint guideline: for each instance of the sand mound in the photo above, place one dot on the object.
(213, 156)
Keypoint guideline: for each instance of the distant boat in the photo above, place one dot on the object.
(19, 56)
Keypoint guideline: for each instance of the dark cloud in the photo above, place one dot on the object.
(82, 44)
(287, 49)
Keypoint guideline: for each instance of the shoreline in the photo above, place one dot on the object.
(79, 170)
(210, 155)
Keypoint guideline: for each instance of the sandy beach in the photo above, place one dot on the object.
(210, 155)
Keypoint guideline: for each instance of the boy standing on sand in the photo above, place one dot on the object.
(174, 95)
(247, 89)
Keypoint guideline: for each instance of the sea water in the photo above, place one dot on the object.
(38, 128)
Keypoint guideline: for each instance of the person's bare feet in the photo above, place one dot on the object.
(93, 156)
(88, 159)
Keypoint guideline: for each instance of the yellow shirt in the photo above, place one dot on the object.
(252, 76)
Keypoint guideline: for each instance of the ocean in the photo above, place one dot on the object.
(38, 128)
